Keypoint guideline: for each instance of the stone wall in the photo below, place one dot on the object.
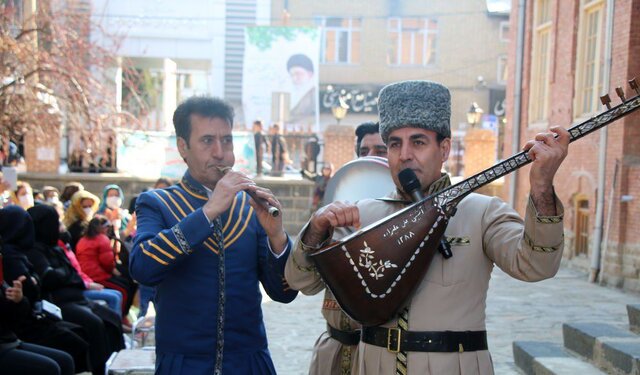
(295, 195)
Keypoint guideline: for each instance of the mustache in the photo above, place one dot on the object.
(273, 211)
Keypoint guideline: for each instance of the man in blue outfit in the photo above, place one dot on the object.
(206, 245)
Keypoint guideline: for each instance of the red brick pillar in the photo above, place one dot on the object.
(42, 149)
(339, 145)
(479, 150)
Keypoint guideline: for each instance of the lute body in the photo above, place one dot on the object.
(373, 271)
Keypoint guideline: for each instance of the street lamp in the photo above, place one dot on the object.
(474, 115)
(340, 110)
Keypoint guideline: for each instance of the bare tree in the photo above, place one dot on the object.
(54, 76)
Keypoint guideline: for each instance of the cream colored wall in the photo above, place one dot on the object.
(468, 45)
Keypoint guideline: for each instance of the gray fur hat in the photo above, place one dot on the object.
(420, 104)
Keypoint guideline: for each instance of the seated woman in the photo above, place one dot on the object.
(36, 327)
(17, 357)
(96, 257)
(62, 285)
(76, 218)
(94, 291)
(23, 196)
(111, 208)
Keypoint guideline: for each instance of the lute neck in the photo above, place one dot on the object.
(449, 197)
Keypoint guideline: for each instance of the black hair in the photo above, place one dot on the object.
(70, 189)
(132, 204)
(93, 228)
(300, 60)
(363, 129)
(204, 106)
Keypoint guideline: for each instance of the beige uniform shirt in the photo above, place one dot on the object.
(452, 295)
(329, 356)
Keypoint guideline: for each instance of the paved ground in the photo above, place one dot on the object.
(515, 311)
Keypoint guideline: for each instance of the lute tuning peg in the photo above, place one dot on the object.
(606, 100)
(634, 85)
(620, 93)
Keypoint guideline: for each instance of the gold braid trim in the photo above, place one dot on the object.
(302, 268)
(540, 249)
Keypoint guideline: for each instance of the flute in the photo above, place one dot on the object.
(273, 211)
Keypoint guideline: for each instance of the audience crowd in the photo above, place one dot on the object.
(66, 288)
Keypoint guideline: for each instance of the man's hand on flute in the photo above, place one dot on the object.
(226, 189)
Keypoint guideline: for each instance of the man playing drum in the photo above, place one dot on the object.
(441, 328)
(368, 140)
(334, 351)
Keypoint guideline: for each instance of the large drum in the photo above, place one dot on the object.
(366, 177)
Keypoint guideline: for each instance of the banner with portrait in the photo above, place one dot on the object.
(280, 76)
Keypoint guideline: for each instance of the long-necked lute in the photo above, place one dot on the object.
(374, 270)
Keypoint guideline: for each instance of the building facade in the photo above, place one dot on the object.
(183, 48)
(565, 71)
(368, 44)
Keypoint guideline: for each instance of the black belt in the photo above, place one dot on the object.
(344, 337)
(396, 340)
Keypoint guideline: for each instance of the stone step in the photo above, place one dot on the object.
(547, 358)
(634, 317)
(612, 349)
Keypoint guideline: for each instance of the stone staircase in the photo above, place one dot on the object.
(589, 348)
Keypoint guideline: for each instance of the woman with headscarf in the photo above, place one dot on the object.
(23, 195)
(18, 236)
(111, 207)
(82, 208)
(17, 357)
(62, 285)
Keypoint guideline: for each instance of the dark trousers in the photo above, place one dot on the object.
(258, 162)
(36, 360)
(96, 333)
(125, 286)
(61, 335)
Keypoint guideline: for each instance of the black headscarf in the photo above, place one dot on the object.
(16, 228)
(46, 223)
(17, 233)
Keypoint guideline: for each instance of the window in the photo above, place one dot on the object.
(540, 61)
(504, 31)
(340, 42)
(502, 70)
(589, 64)
(413, 41)
(582, 225)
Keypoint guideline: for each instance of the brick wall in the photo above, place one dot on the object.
(339, 145)
(578, 174)
(479, 150)
(42, 150)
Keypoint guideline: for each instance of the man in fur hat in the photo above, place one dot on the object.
(441, 327)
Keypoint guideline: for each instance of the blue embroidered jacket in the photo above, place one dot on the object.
(175, 251)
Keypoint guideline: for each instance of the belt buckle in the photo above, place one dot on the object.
(390, 335)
